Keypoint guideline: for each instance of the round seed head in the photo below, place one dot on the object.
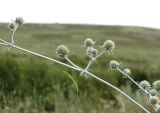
(145, 84)
(153, 92)
(91, 52)
(113, 64)
(127, 71)
(62, 51)
(154, 100)
(94, 52)
(19, 20)
(156, 85)
(88, 42)
(108, 45)
(12, 26)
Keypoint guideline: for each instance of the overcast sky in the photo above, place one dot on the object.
(104, 12)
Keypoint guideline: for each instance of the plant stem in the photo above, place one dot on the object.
(92, 60)
(12, 37)
(145, 91)
(37, 54)
(73, 64)
(118, 90)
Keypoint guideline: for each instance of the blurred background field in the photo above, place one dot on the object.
(32, 85)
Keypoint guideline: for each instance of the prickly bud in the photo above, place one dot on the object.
(19, 20)
(127, 71)
(154, 100)
(113, 64)
(91, 52)
(88, 42)
(156, 85)
(145, 84)
(12, 26)
(94, 52)
(108, 45)
(62, 51)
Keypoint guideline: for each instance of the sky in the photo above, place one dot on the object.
(144, 13)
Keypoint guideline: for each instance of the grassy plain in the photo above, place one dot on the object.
(37, 85)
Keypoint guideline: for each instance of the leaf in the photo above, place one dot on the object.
(73, 80)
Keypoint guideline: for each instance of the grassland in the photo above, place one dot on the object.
(31, 83)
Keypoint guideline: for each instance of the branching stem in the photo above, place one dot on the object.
(75, 67)
(145, 91)
(92, 60)
(73, 64)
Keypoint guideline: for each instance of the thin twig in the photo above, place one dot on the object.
(12, 37)
(118, 90)
(145, 91)
(73, 64)
(92, 60)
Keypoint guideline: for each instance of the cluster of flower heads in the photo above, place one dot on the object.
(13, 25)
(62, 51)
(153, 91)
(91, 52)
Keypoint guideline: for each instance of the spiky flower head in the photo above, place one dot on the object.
(153, 92)
(19, 21)
(12, 26)
(62, 51)
(154, 100)
(94, 52)
(88, 42)
(145, 84)
(156, 85)
(108, 45)
(113, 64)
(91, 52)
(127, 71)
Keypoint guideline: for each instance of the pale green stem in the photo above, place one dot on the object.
(12, 37)
(42, 56)
(73, 64)
(145, 91)
(118, 90)
(92, 60)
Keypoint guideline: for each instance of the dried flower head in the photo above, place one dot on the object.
(19, 20)
(113, 64)
(12, 26)
(145, 84)
(154, 100)
(88, 42)
(127, 71)
(108, 45)
(94, 52)
(62, 51)
(91, 52)
(156, 85)
(153, 92)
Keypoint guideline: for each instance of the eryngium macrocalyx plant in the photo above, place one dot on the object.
(93, 54)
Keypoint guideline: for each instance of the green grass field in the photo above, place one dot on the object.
(32, 85)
